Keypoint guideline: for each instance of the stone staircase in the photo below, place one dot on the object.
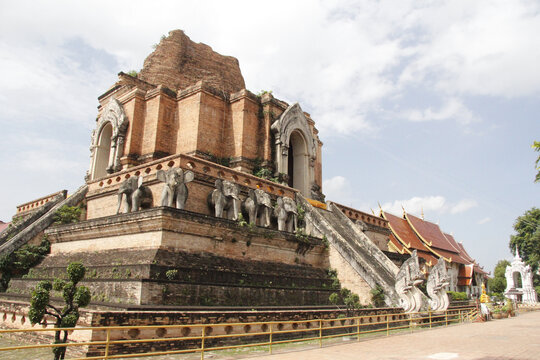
(36, 224)
(367, 260)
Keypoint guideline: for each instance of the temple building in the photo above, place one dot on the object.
(409, 233)
(201, 193)
(190, 100)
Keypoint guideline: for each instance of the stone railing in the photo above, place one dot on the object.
(354, 214)
(34, 204)
(199, 167)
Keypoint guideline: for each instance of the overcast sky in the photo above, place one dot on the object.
(420, 104)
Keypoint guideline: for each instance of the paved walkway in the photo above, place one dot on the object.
(505, 339)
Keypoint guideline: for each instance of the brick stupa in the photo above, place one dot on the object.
(177, 62)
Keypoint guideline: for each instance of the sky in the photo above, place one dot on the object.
(424, 105)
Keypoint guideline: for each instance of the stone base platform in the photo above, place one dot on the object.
(174, 257)
(14, 315)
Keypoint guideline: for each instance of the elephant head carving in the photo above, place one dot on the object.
(258, 205)
(225, 197)
(142, 196)
(287, 214)
(125, 191)
(133, 195)
(175, 190)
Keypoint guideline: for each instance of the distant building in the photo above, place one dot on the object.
(413, 233)
(3, 226)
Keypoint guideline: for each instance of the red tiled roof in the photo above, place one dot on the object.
(465, 271)
(399, 246)
(464, 254)
(402, 232)
(430, 259)
(465, 275)
(450, 255)
(431, 243)
(3, 226)
(456, 246)
(430, 233)
(479, 270)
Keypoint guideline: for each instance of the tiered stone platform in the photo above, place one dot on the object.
(176, 257)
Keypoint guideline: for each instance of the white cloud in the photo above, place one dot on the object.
(428, 205)
(339, 59)
(416, 205)
(49, 84)
(337, 189)
(484, 221)
(462, 206)
(480, 48)
(452, 109)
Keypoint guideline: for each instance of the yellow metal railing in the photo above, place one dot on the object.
(272, 333)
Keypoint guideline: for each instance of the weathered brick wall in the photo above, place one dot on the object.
(188, 110)
(348, 277)
(177, 62)
(284, 320)
(216, 261)
(211, 125)
(102, 198)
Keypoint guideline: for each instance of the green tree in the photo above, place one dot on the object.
(74, 296)
(347, 297)
(497, 284)
(527, 239)
(67, 215)
(377, 296)
(536, 147)
(20, 261)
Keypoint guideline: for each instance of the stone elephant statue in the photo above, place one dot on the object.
(225, 198)
(142, 196)
(175, 190)
(258, 204)
(287, 214)
(133, 195)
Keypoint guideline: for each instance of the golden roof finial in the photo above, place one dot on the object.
(422, 212)
(380, 209)
(404, 212)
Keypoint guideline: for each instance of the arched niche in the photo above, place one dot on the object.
(108, 140)
(102, 152)
(518, 279)
(295, 149)
(298, 163)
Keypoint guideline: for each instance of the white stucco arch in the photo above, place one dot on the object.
(298, 163)
(102, 151)
(112, 122)
(526, 291)
(293, 125)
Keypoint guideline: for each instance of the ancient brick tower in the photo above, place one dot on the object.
(191, 100)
